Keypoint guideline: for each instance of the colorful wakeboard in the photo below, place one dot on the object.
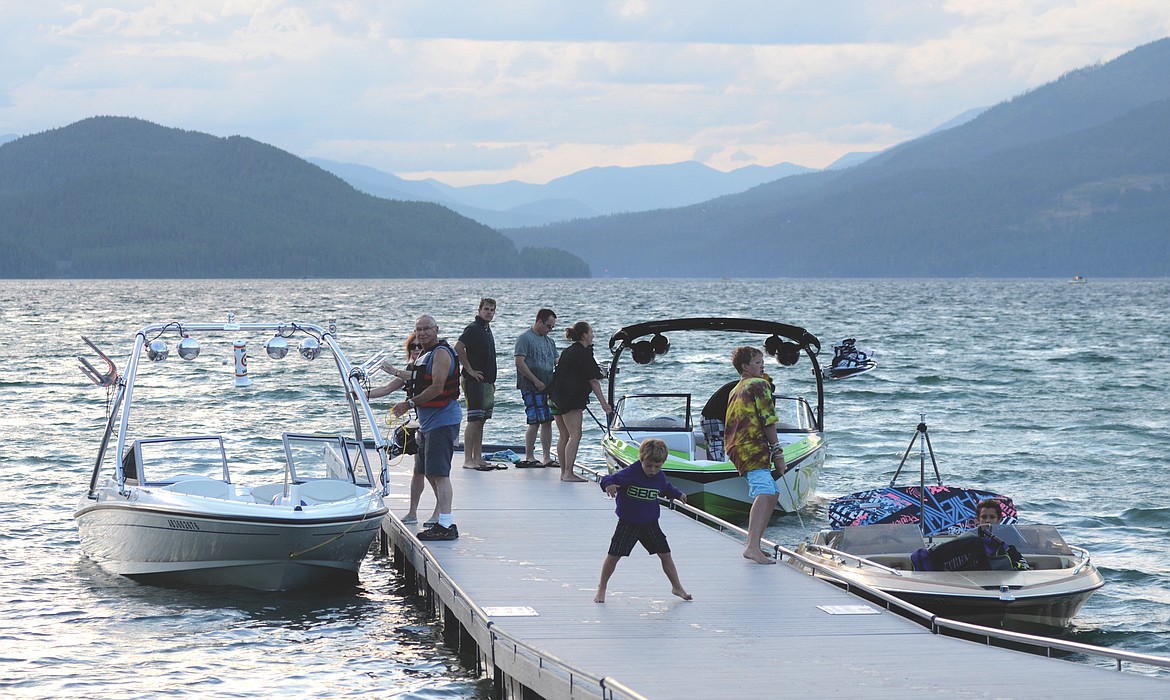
(947, 509)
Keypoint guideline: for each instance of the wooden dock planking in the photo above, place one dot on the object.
(529, 540)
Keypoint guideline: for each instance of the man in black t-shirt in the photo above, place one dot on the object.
(476, 349)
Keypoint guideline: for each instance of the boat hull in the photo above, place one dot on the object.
(717, 487)
(978, 600)
(1055, 611)
(1047, 595)
(278, 550)
(849, 371)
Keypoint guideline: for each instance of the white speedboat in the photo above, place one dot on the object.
(709, 480)
(922, 544)
(849, 360)
(294, 510)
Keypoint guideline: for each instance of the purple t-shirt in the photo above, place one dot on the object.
(637, 496)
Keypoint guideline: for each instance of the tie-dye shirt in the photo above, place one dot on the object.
(749, 409)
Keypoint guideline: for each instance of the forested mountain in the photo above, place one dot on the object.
(1070, 178)
(121, 197)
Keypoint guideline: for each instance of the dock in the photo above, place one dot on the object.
(515, 593)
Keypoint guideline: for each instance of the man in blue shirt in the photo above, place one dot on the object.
(536, 354)
(436, 399)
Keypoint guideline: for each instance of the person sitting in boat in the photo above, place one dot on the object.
(711, 421)
(977, 550)
(989, 511)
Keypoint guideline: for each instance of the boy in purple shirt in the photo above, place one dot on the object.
(637, 488)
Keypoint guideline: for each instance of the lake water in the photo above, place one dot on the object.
(1054, 394)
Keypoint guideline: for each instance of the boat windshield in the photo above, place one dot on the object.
(794, 414)
(654, 412)
(879, 539)
(167, 460)
(327, 457)
(868, 540)
(1033, 539)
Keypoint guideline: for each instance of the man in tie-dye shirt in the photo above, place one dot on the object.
(752, 444)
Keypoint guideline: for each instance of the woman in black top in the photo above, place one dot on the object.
(575, 375)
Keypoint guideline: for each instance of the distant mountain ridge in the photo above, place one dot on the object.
(591, 192)
(1070, 178)
(586, 193)
(121, 197)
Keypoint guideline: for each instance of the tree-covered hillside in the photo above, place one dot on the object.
(120, 197)
(1070, 178)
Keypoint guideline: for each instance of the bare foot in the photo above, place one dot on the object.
(469, 465)
(681, 593)
(600, 597)
(571, 477)
(758, 557)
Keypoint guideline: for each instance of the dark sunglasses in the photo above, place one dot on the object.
(416, 346)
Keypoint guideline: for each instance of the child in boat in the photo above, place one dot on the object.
(637, 488)
(990, 511)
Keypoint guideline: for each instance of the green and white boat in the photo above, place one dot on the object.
(714, 484)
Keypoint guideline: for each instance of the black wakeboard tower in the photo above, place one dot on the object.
(785, 342)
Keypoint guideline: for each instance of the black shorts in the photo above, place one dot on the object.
(481, 399)
(627, 534)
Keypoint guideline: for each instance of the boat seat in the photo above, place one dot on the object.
(209, 488)
(265, 493)
(326, 490)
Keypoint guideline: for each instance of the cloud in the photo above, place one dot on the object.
(530, 89)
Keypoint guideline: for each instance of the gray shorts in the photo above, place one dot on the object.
(435, 449)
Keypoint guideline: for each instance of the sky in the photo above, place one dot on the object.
(484, 91)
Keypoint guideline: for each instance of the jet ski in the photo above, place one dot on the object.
(849, 360)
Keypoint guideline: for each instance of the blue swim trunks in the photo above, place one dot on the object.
(536, 407)
(760, 483)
